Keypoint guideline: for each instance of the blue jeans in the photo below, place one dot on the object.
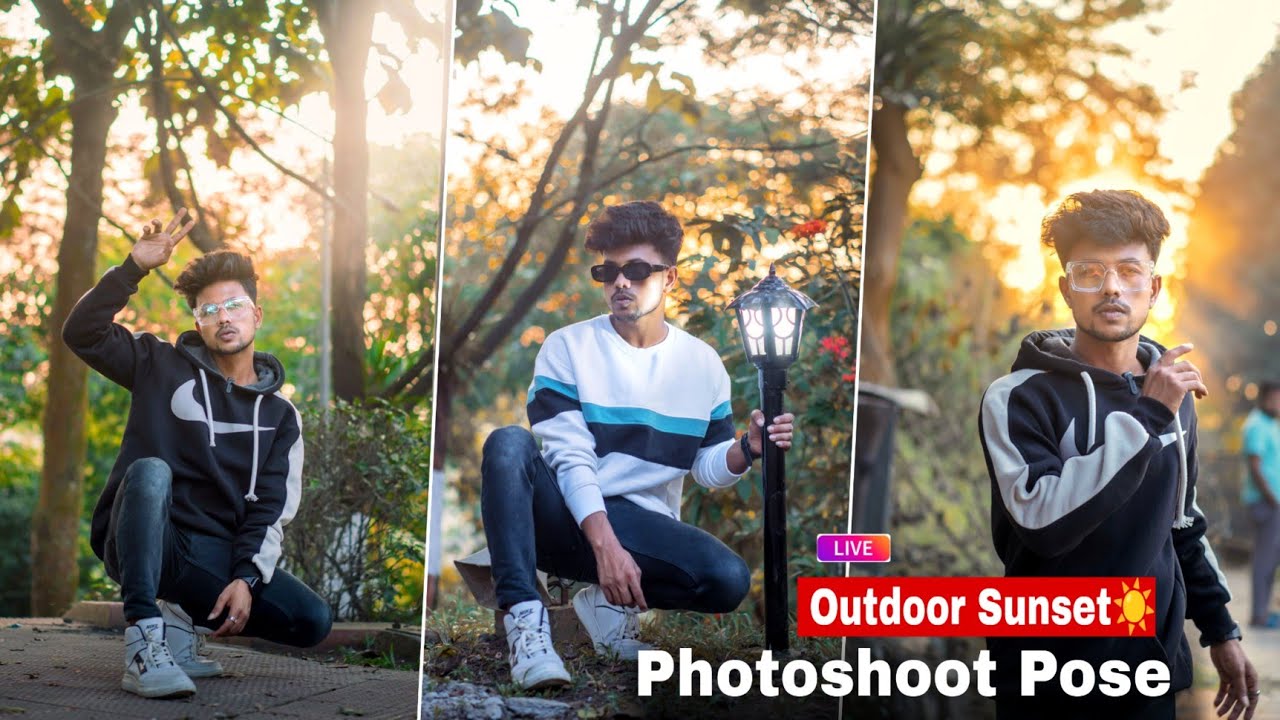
(528, 527)
(151, 558)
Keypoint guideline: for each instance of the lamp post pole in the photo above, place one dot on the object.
(773, 466)
(771, 317)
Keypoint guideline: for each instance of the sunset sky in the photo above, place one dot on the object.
(1198, 60)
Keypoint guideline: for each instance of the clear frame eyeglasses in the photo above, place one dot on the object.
(1091, 275)
(237, 308)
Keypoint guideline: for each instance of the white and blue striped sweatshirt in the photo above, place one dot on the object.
(617, 420)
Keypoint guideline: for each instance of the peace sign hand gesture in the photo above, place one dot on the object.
(155, 246)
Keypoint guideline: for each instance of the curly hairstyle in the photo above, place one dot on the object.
(215, 267)
(1108, 217)
(636, 223)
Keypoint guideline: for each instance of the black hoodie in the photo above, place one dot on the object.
(1089, 478)
(235, 451)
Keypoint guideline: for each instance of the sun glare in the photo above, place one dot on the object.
(1015, 213)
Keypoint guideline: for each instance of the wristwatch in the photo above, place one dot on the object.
(745, 444)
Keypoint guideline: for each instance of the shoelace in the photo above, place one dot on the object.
(630, 626)
(160, 654)
(530, 639)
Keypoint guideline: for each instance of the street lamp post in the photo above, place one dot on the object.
(771, 317)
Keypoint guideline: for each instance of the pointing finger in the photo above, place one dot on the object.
(1170, 357)
(176, 219)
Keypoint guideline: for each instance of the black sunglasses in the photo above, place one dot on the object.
(635, 271)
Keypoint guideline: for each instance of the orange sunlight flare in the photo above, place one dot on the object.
(1015, 213)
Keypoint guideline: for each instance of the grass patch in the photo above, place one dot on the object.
(462, 646)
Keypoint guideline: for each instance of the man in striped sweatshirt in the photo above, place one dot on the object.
(1090, 443)
(625, 405)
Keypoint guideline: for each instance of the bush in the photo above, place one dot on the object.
(16, 504)
(358, 536)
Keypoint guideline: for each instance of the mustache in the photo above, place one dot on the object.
(621, 294)
(1111, 305)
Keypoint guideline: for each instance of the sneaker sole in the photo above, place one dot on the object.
(173, 689)
(553, 680)
(202, 670)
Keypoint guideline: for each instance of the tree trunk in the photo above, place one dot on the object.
(896, 171)
(348, 29)
(55, 524)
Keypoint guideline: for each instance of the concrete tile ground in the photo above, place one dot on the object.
(53, 669)
(1262, 646)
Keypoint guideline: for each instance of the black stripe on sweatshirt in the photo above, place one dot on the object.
(646, 443)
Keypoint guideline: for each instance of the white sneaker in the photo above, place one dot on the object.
(149, 669)
(614, 630)
(186, 641)
(534, 662)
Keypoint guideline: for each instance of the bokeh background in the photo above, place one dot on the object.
(747, 120)
(986, 115)
(305, 133)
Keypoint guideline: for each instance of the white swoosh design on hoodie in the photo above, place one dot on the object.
(185, 407)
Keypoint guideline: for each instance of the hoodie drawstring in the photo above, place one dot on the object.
(1181, 520)
(208, 408)
(253, 472)
(213, 442)
(1093, 409)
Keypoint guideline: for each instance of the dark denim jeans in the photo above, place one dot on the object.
(151, 558)
(528, 526)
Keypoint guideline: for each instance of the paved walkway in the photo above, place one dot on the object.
(53, 669)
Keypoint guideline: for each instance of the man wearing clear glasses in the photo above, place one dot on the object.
(209, 471)
(625, 405)
(1090, 443)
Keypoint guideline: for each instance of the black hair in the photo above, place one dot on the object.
(216, 267)
(636, 223)
(1108, 217)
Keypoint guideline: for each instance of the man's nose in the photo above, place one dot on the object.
(621, 282)
(1111, 283)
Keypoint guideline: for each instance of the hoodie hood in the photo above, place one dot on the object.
(1050, 350)
(270, 372)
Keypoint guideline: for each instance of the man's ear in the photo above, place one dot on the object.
(1157, 284)
(672, 277)
(1063, 288)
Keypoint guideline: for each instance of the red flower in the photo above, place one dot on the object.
(850, 376)
(809, 229)
(836, 346)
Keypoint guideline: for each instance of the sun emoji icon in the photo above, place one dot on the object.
(1134, 605)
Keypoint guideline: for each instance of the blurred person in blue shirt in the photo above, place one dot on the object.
(1262, 496)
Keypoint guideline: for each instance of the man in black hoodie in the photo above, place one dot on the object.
(209, 471)
(1091, 447)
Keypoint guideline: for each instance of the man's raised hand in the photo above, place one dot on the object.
(1170, 379)
(154, 245)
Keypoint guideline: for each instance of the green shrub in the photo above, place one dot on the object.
(358, 536)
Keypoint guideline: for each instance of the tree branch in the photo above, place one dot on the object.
(201, 237)
(234, 124)
(629, 35)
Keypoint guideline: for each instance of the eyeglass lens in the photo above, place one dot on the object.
(1091, 276)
